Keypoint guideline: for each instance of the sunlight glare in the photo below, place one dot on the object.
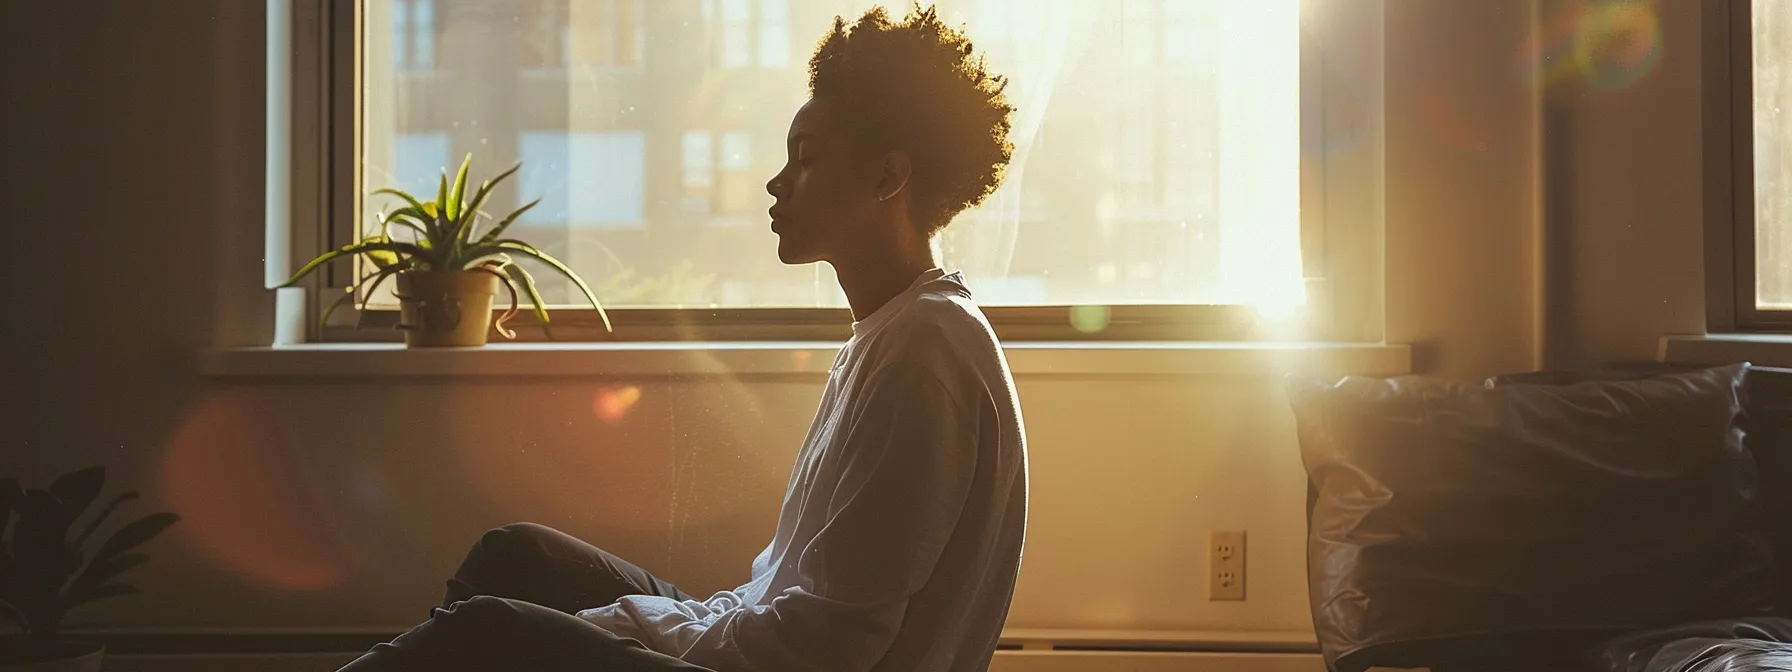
(1260, 262)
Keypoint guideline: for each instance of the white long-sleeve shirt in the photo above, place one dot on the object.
(902, 526)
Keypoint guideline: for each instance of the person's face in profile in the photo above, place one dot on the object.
(827, 193)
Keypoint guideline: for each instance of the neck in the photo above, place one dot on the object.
(870, 283)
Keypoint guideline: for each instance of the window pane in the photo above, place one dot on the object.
(584, 180)
(1773, 154)
(1157, 148)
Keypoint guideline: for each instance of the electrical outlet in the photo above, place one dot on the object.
(1225, 565)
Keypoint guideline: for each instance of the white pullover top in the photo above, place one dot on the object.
(902, 526)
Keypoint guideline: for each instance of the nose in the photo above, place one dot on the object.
(775, 186)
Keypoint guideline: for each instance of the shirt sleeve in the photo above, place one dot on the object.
(909, 459)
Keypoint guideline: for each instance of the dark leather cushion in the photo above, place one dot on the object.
(1453, 525)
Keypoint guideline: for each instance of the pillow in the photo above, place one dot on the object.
(1452, 524)
(1767, 421)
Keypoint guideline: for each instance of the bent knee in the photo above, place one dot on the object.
(476, 612)
(515, 537)
(522, 530)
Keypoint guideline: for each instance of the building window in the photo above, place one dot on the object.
(1157, 142)
(752, 33)
(774, 33)
(559, 34)
(699, 170)
(413, 34)
(584, 180)
(418, 161)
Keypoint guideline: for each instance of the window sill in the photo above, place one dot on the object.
(1757, 349)
(688, 359)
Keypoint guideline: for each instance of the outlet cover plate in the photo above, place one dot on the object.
(1225, 565)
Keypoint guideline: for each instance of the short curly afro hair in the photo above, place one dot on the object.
(919, 86)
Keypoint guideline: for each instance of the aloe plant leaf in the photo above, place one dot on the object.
(412, 200)
(349, 293)
(367, 296)
(101, 571)
(105, 513)
(526, 250)
(380, 258)
(41, 530)
(78, 489)
(411, 249)
(451, 206)
(485, 191)
(469, 216)
(498, 229)
(98, 593)
(405, 220)
(441, 201)
(424, 223)
(495, 181)
(475, 207)
(15, 615)
(10, 494)
(134, 534)
(528, 282)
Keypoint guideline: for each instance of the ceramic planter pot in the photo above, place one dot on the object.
(65, 656)
(440, 309)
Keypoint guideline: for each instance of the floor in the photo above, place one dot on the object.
(1006, 661)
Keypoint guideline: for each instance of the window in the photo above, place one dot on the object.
(413, 34)
(1157, 171)
(1771, 108)
(1758, 108)
(581, 33)
(417, 160)
(751, 33)
(584, 180)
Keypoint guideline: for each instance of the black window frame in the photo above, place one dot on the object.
(1728, 77)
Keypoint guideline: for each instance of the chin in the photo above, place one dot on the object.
(794, 253)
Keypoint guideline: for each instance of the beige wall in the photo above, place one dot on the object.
(1462, 187)
(1626, 205)
(343, 504)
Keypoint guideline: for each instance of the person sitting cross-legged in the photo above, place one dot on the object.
(902, 527)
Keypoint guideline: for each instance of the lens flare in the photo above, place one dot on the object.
(1599, 44)
(1090, 319)
(1618, 44)
(612, 404)
(226, 472)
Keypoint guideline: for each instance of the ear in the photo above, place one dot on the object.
(893, 174)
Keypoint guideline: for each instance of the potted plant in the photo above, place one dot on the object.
(448, 270)
(44, 573)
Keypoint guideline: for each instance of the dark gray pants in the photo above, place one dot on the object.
(510, 606)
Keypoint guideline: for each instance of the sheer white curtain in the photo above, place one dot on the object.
(1032, 43)
(1047, 48)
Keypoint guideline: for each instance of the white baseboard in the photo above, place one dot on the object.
(1006, 661)
(1153, 661)
(236, 662)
